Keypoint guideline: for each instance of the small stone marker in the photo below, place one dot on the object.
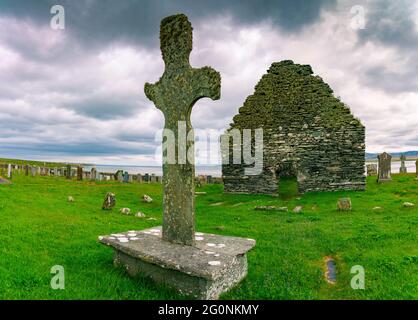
(344, 204)
(331, 270)
(408, 205)
(140, 215)
(298, 209)
(271, 208)
(174, 254)
(146, 198)
(109, 201)
(70, 199)
(385, 165)
(403, 168)
(126, 211)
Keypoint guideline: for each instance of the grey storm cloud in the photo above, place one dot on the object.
(392, 23)
(98, 21)
(79, 92)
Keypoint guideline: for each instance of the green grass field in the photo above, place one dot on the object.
(40, 229)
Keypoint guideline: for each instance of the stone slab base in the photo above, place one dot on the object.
(205, 271)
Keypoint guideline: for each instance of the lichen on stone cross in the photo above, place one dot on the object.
(175, 95)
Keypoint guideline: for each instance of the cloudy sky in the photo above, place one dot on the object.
(77, 94)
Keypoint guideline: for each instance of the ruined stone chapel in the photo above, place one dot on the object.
(308, 133)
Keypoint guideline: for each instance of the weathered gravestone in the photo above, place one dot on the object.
(68, 173)
(9, 171)
(79, 173)
(196, 264)
(371, 170)
(33, 171)
(109, 201)
(385, 164)
(93, 174)
(126, 177)
(416, 169)
(403, 169)
(119, 175)
(146, 177)
(153, 178)
(139, 178)
(26, 170)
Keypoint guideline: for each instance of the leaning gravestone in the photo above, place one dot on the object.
(385, 164)
(196, 264)
(403, 169)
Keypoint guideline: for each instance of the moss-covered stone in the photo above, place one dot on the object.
(175, 95)
(307, 131)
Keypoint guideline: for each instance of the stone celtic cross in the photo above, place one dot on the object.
(175, 94)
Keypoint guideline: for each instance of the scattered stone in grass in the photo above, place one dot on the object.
(237, 204)
(271, 208)
(151, 219)
(140, 215)
(344, 204)
(4, 181)
(200, 193)
(377, 208)
(408, 204)
(126, 211)
(199, 238)
(331, 270)
(147, 199)
(298, 209)
(70, 199)
(214, 263)
(217, 204)
(109, 201)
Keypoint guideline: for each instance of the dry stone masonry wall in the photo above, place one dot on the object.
(307, 132)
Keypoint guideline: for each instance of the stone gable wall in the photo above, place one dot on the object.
(307, 132)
